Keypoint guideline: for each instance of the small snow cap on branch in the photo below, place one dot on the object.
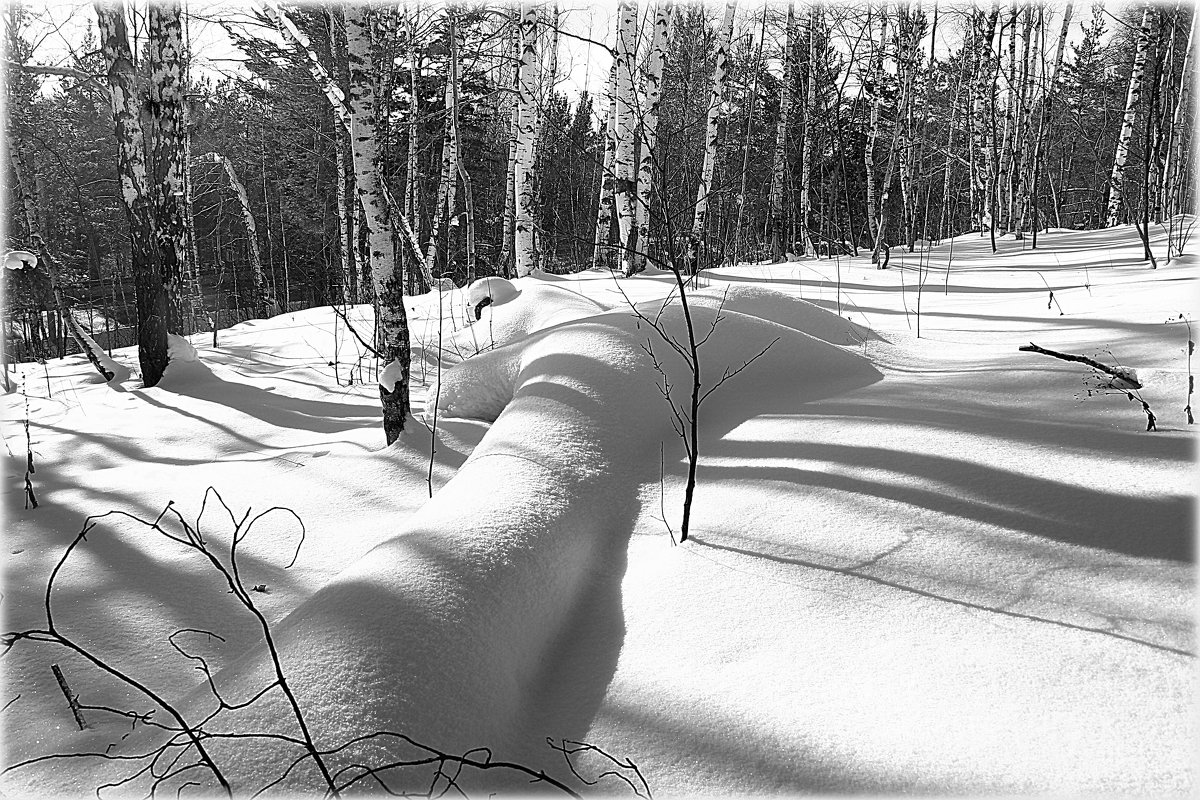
(20, 259)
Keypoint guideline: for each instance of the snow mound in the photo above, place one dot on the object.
(782, 309)
(444, 630)
(500, 290)
(180, 349)
(535, 307)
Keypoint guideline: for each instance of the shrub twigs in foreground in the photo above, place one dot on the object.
(185, 753)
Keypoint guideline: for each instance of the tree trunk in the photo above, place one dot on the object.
(779, 165)
(152, 312)
(602, 254)
(335, 21)
(810, 131)
(448, 179)
(1030, 202)
(625, 188)
(468, 193)
(510, 186)
(738, 245)
(162, 120)
(525, 257)
(652, 81)
(716, 96)
(1173, 172)
(264, 301)
(392, 326)
(1117, 178)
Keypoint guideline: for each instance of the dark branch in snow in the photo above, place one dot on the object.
(1126, 376)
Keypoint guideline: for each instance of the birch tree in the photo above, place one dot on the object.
(149, 286)
(1117, 178)
(602, 253)
(392, 323)
(263, 297)
(1050, 81)
(652, 88)
(162, 117)
(523, 174)
(715, 98)
(625, 188)
(779, 167)
(448, 179)
(810, 128)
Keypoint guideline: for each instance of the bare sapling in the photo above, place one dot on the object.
(1191, 379)
(31, 500)
(187, 745)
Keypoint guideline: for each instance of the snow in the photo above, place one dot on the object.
(20, 259)
(929, 565)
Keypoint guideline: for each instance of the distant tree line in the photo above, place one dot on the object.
(363, 151)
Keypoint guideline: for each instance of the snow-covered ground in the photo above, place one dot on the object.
(918, 563)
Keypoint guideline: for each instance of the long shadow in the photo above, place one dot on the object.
(280, 410)
(1136, 526)
(858, 574)
(1088, 437)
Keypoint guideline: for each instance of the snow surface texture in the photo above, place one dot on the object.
(962, 578)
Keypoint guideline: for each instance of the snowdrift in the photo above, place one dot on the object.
(447, 632)
(966, 577)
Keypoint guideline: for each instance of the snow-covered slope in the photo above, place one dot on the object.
(924, 564)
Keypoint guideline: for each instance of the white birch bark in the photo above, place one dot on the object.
(510, 190)
(602, 254)
(392, 324)
(131, 168)
(258, 276)
(652, 83)
(625, 175)
(779, 166)
(1173, 171)
(1117, 178)
(162, 116)
(448, 179)
(524, 255)
(716, 96)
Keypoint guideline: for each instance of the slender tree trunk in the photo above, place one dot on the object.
(624, 166)
(335, 22)
(448, 180)
(652, 79)
(510, 191)
(468, 193)
(876, 73)
(525, 256)
(1050, 82)
(392, 326)
(810, 130)
(602, 253)
(716, 96)
(412, 183)
(1117, 178)
(1173, 172)
(152, 310)
(775, 221)
(1148, 151)
(162, 120)
(263, 299)
(751, 105)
